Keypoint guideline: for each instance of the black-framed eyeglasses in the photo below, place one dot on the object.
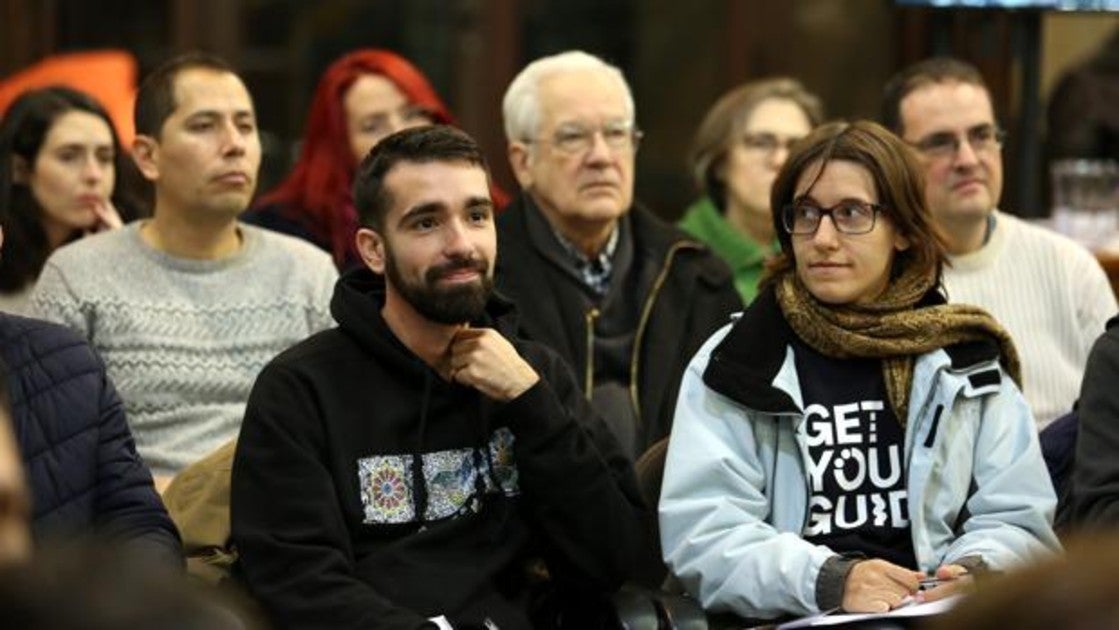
(576, 139)
(802, 218)
(982, 139)
(768, 143)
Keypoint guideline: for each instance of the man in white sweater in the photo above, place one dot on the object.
(187, 307)
(1049, 292)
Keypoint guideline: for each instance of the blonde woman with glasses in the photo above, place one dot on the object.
(738, 149)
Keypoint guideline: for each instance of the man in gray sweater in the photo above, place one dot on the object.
(185, 308)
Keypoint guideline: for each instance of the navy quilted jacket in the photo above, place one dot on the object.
(85, 475)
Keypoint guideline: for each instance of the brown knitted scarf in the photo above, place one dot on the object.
(892, 328)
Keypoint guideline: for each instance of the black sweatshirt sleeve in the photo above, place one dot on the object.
(580, 486)
(1096, 468)
(295, 550)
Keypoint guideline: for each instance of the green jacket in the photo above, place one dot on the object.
(744, 256)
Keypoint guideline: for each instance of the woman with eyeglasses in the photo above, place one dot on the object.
(738, 149)
(362, 97)
(61, 177)
(852, 441)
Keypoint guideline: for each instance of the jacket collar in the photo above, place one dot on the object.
(744, 365)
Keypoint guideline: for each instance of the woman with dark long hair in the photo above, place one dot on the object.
(61, 168)
(852, 438)
(362, 97)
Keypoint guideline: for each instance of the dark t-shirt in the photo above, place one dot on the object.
(857, 496)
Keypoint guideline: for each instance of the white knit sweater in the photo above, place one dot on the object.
(183, 340)
(1051, 295)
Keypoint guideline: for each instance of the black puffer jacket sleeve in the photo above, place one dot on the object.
(85, 475)
(127, 507)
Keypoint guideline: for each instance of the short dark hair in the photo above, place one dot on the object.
(920, 74)
(898, 179)
(419, 145)
(155, 100)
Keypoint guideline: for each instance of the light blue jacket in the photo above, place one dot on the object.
(735, 493)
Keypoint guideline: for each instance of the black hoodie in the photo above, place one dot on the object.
(368, 492)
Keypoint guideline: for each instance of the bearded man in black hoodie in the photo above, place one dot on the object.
(418, 466)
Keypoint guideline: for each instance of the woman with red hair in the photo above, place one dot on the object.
(362, 97)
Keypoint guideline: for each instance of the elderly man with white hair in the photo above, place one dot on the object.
(624, 297)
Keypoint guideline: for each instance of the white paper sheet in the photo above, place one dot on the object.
(911, 610)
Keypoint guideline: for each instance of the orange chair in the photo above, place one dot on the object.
(107, 75)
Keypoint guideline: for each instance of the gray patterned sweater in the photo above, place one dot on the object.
(183, 339)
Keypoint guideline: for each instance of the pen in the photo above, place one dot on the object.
(932, 581)
(929, 582)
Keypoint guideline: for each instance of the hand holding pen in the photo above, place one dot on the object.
(949, 579)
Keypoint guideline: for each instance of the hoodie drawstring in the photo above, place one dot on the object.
(491, 471)
(419, 486)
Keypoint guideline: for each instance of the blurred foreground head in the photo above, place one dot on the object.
(1073, 592)
(91, 586)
